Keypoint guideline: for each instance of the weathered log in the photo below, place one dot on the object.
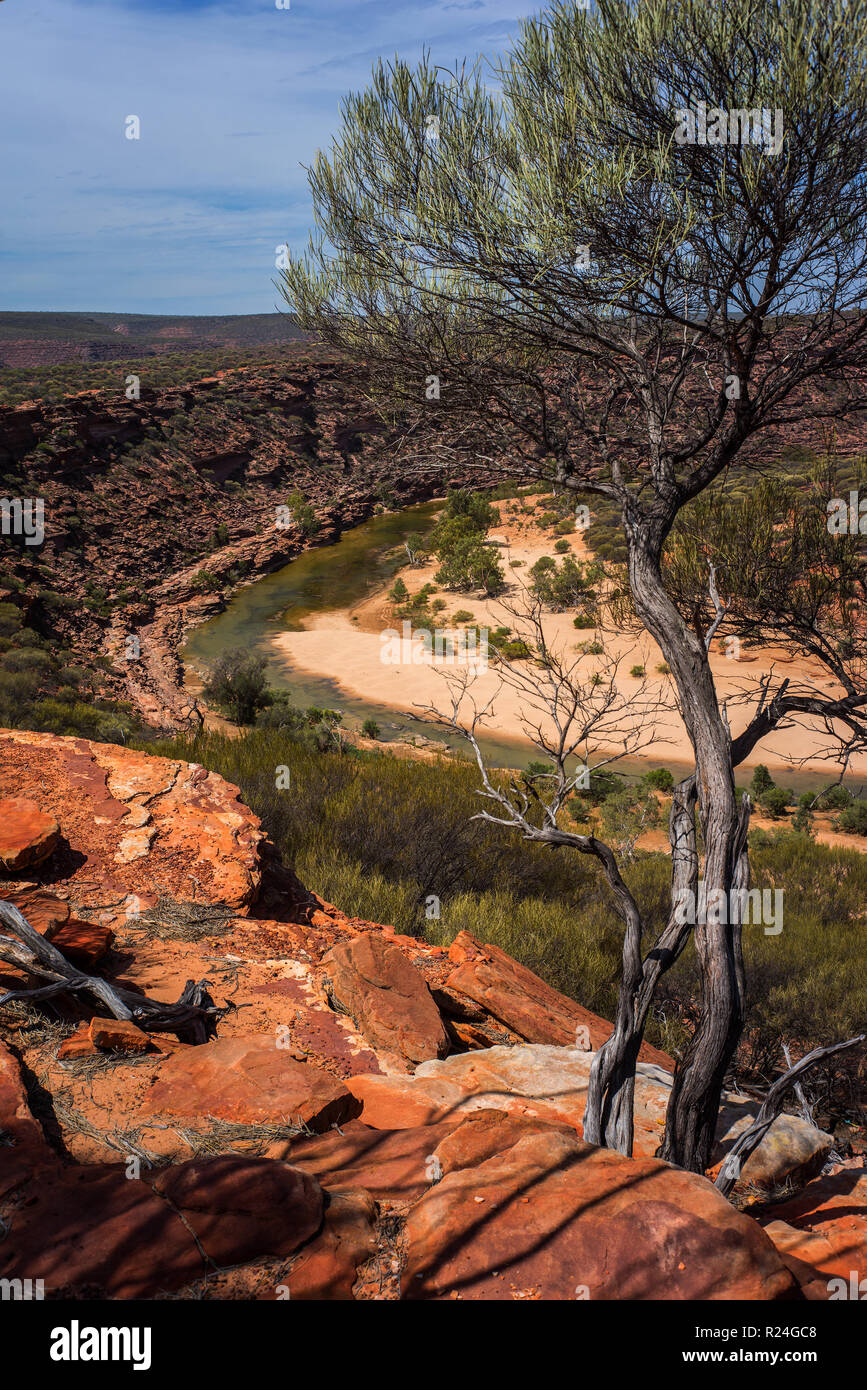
(193, 1018)
(771, 1106)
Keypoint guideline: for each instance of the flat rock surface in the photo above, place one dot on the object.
(249, 1080)
(201, 839)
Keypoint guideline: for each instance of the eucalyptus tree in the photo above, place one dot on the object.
(616, 261)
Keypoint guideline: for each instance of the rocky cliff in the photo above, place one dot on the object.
(156, 508)
(375, 1118)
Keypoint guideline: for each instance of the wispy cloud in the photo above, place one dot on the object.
(233, 98)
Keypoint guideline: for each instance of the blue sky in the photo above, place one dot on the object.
(232, 97)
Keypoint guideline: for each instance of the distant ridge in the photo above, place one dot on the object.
(32, 339)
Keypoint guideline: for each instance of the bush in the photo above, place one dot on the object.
(398, 592)
(561, 547)
(468, 564)
(853, 820)
(370, 728)
(836, 798)
(774, 802)
(207, 581)
(636, 671)
(237, 685)
(302, 513)
(659, 778)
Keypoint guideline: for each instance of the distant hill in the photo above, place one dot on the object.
(40, 339)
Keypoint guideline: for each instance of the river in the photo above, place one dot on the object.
(332, 577)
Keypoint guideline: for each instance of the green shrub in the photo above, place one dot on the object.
(853, 820)
(762, 781)
(237, 685)
(774, 802)
(659, 778)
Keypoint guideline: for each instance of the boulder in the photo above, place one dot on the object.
(83, 943)
(551, 1083)
(791, 1151)
(24, 1150)
(241, 1208)
(387, 998)
(94, 1233)
(28, 835)
(118, 1035)
(550, 1217)
(543, 1082)
(250, 1080)
(328, 1265)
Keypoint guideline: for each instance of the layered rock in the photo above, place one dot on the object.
(27, 834)
(374, 1111)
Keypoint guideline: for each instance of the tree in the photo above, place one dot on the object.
(302, 513)
(620, 289)
(237, 685)
(415, 547)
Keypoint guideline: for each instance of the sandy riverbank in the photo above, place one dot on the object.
(346, 646)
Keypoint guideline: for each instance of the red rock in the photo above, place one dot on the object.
(24, 1150)
(41, 910)
(251, 1080)
(118, 1035)
(28, 835)
(242, 1208)
(78, 1044)
(525, 1004)
(93, 1232)
(487, 1132)
(83, 943)
(825, 1226)
(393, 1167)
(554, 1218)
(328, 1265)
(387, 998)
(403, 1102)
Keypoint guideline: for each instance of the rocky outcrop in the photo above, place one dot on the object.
(134, 826)
(547, 1217)
(250, 1081)
(371, 1120)
(822, 1235)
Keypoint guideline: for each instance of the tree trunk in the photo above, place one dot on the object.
(694, 1106)
(608, 1113)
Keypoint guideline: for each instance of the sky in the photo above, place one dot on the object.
(232, 98)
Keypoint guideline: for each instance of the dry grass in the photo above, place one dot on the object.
(172, 920)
